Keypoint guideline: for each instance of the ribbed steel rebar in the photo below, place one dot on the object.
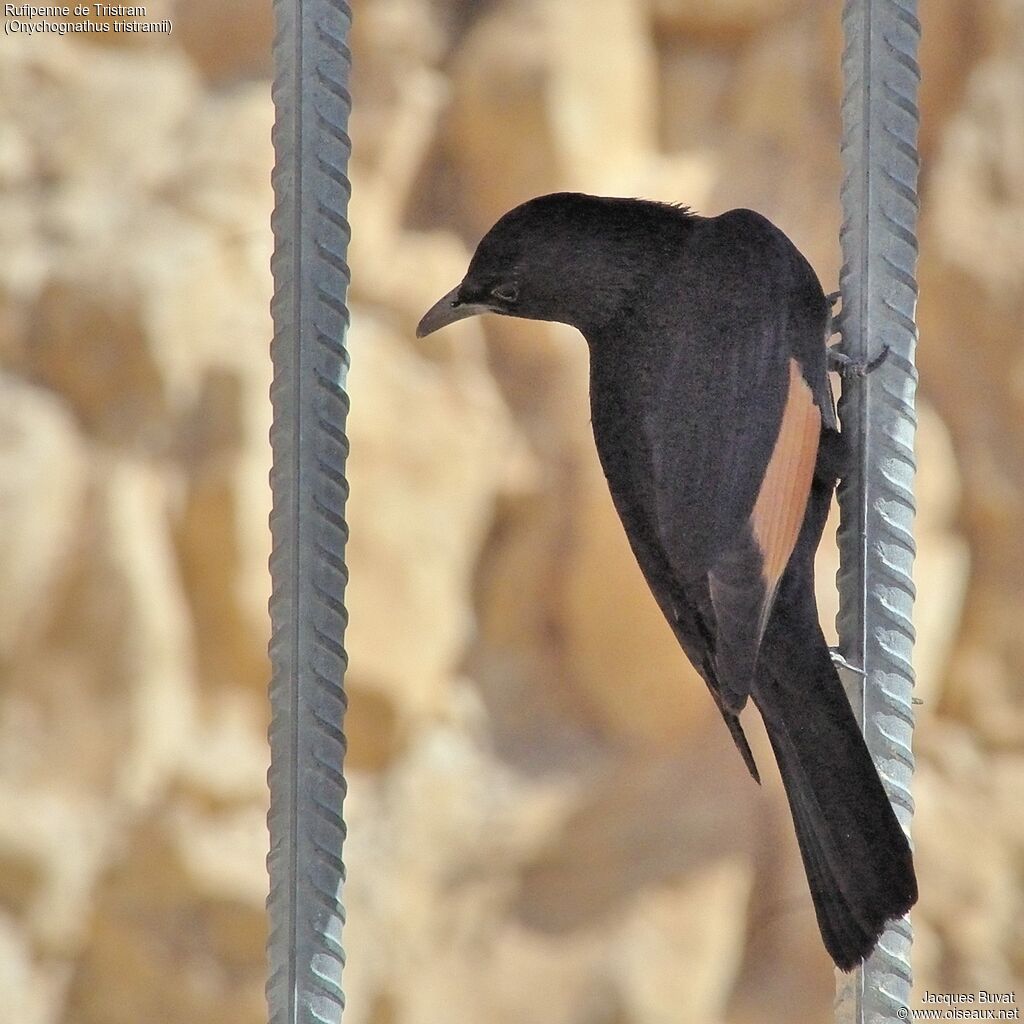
(879, 291)
(309, 490)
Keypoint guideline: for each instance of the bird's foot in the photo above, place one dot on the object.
(840, 662)
(832, 298)
(846, 367)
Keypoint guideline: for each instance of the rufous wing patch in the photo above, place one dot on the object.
(782, 500)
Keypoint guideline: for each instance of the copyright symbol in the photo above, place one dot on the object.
(903, 1013)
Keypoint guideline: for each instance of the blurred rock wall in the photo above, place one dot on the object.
(547, 823)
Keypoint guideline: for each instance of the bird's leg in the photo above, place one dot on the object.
(839, 362)
(840, 662)
(846, 367)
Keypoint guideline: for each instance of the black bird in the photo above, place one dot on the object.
(715, 427)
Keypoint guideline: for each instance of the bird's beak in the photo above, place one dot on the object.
(446, 311)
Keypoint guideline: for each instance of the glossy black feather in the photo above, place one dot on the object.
(692, 323)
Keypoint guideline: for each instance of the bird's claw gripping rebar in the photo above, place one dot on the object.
(846, 367)
(839, 362)
(840, 662)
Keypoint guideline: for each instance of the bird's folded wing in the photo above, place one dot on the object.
(733, 433)
(745, 577)
(782, 498)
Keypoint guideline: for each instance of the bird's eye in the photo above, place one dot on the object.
(505, 292)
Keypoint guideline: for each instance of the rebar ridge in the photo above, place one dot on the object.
(876, 500)
(307, 787)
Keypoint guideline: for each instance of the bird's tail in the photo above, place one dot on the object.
(857, 859)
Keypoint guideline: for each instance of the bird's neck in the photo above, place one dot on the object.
(616, 278)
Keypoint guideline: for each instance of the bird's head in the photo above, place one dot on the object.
(567, 257)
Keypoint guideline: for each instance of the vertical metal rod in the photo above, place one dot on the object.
(309, 490)
(876, 500)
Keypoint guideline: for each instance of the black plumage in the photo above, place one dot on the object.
(714, 424)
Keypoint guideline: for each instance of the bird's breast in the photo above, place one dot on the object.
(620, 400)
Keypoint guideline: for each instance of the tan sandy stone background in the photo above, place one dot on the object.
(547, 823)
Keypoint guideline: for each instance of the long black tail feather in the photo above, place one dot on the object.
(857, 858)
